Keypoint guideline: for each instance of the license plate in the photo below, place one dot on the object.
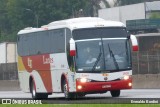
(106, 86)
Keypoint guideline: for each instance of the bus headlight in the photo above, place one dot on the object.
(79, 87)
(125, 77)
(83, 80)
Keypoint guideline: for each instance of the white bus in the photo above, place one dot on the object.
(76, 57)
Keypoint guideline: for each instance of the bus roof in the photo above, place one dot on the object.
(75, 23)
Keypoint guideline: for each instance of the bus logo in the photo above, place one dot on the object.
(29, 62)
(105, 78)
(47, 60)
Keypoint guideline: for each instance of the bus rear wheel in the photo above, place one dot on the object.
(115, 93)
(36, 95)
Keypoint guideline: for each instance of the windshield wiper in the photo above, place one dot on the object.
(114, 59)
(98, 59)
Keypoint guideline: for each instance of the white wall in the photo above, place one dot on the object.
(8, 52)
(123, 13)
(132, 12)
(3, 53)
(109, 14)
(11, 53)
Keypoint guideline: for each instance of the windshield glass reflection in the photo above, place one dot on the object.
(103, 55)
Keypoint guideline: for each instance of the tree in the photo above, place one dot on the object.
(127, 2)
(94, 6)
(18, 14)
(155, 15)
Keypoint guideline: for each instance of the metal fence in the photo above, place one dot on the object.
(8, 71)
(146, 62)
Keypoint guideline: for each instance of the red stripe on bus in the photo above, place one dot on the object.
(41, 64)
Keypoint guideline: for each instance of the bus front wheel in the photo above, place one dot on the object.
(115, 93)
(67, 94)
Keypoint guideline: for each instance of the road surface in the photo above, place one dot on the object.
(127, 96)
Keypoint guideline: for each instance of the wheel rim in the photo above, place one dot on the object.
(33, 90)
(65, 90)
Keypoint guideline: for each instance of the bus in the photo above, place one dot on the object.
(76, 57)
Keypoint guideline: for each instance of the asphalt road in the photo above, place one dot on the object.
(127, 96)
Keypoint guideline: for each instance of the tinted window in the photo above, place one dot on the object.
(99, 33)
(42, 42)
(57, 40)
(52, 41)
(20, 45)
(32, 47)
(25, 45)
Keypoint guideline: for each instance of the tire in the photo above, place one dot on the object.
(80, 95)
(67, 94)
(115, 93)
(36, 95)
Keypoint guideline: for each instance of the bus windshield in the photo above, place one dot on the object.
(103, 54)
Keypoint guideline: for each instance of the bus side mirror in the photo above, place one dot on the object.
(72, 47)
(134, 43)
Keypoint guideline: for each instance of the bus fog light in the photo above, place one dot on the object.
(79, 87)
(130, 84)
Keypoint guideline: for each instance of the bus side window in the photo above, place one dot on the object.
(32, 44)
(57, 40)
(20, 45)
(25, 45)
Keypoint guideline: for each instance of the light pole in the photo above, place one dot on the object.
(36, 16)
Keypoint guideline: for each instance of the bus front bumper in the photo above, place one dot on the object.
(88, 87)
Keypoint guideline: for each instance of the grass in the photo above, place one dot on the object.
(85, 105)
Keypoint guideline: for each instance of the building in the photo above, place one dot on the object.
(130, 12)
(8, 52)
(8, 61)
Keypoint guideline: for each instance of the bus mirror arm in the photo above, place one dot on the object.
(72, 47)
(128, 35)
